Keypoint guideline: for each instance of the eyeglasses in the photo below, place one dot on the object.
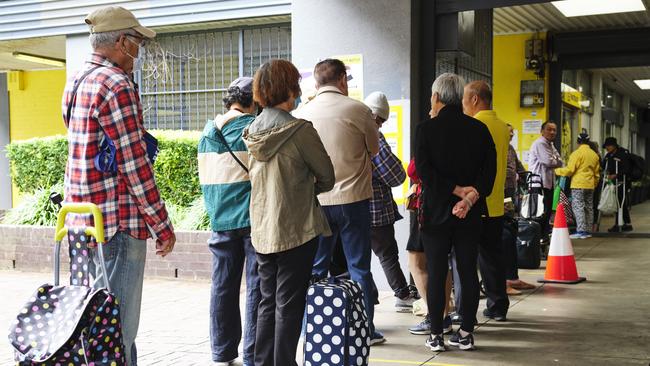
(141, 42)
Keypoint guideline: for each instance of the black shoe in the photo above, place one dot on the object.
(414, 292)
(498, 317)
(627, 227)
(614, 229)
(456, 318)
(436, 343)
(465, 343)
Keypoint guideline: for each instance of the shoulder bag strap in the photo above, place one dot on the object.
(73, 95)
(223, 140)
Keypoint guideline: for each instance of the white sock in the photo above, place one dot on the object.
(463, 333)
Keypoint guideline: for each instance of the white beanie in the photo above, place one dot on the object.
(378, 104)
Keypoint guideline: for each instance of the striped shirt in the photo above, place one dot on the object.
(107, 103)
(387, 172)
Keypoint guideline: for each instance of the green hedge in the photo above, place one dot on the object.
(39, 163)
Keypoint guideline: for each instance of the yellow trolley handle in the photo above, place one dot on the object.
(97, 232)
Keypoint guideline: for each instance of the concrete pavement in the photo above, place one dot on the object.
(604, 321)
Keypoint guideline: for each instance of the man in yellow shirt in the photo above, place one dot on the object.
(584, 170)
(477, 101)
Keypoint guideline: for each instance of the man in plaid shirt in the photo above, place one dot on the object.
(387, 172)
(106, 105)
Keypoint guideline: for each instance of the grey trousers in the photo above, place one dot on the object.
(582, 201)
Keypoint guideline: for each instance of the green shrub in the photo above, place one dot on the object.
(40, 163)
(194, 217)
(35, 209)
(176, 167)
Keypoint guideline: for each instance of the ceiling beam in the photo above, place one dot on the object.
(604, 60)
(454, 6)
(609, 41)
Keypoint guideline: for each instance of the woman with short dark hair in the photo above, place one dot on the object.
(288, 168)
(226, 190)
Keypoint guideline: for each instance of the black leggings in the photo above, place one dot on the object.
(463, 235)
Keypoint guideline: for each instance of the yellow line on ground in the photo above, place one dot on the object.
(400, 362)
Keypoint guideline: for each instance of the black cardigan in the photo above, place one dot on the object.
(453, 149)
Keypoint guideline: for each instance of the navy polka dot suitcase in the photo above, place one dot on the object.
(70, 325)
(337, 331)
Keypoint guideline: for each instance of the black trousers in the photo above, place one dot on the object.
(548, 208)
(491, 262)
(462, 235)
(384, 245)
(284, 279)
(509, 241)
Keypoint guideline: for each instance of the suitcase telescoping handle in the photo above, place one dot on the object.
(97, 232)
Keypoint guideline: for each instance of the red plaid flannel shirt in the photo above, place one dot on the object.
(107, 102)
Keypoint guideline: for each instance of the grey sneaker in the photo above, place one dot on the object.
(436, 343)
(404, 305)
(423, 328)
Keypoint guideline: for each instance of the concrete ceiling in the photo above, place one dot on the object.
(545, 16)
(53, 47)
(622, 80)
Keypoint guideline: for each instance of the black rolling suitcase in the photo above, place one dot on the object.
(528, 244)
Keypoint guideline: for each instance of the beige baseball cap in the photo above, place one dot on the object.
(114, 18)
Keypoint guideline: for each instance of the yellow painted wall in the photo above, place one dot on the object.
(509, 69)
(35, 106)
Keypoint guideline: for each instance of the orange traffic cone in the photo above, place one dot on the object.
(561, 262)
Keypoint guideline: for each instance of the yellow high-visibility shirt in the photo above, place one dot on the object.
(501, 136)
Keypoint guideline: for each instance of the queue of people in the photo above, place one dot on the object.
(283, 185)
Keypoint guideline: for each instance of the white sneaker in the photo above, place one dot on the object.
(576, 236)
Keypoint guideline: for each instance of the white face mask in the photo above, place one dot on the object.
(138, 60)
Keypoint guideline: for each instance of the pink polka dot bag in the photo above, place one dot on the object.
(71, 324)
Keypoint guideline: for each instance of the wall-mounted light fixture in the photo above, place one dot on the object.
(39, 59)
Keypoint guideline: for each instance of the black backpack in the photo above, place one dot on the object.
(637, 167)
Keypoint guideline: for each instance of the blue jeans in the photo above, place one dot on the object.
(352, 222)
(230, 249)
(124, 257)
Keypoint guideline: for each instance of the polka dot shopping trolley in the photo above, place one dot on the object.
(71, 324)
(337, 331)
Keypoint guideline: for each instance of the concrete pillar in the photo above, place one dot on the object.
(77, 50)
(5, 179)
(625, 131)
(596, 132)
(380, 30)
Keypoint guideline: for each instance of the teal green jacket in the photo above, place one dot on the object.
(225, 184)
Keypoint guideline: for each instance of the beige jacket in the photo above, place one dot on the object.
(350, 137)
(288, 168)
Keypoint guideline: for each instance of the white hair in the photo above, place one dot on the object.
(108, 39)
(449, 88)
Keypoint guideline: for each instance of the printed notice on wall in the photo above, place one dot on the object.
(515, 139)
(531, 126)
(354, 68)
(397, 133)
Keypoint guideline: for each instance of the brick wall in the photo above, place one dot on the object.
(30, 249)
